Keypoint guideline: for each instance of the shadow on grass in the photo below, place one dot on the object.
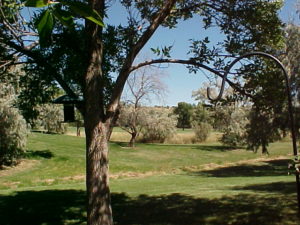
(67, 207)
(215, 148)
(269, 168)
(46, 154)
(220, 148)
(44, 132)
(42, 207)
(278, 187)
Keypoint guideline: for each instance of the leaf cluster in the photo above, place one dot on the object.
(64, 12)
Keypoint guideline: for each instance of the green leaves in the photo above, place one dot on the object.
(36, 3)
(46, 22)
(65, 17)
(156, 51)
(163, 52)
(85, 11)
(79, 8)
(45, 27)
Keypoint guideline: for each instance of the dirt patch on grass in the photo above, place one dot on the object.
(122, 175)
(24, 164)
(137, 174)
(193, 168)
(75, 178)
(11, 184)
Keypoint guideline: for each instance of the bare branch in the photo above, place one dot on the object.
(194, 63)
(6, 63)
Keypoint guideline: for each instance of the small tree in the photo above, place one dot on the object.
(235, 133)
(201, 123)
(159, 124)
(201, 131)
(262, 130)
(201, 114)
(184, 111)
(221, 117)
(131, 120)
(142, 86)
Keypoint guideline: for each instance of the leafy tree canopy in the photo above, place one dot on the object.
(246, 25)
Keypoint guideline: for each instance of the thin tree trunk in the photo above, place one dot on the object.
(132, 139)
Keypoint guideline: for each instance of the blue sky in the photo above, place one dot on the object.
(179, 82)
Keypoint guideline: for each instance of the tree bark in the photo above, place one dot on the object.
(132, 139)
(97, 181)
(97, 128)
(97, 164)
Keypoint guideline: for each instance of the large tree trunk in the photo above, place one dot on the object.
(97, 128)
(97, 171)
(99, 122)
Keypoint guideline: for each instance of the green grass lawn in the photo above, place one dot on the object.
(151, 184)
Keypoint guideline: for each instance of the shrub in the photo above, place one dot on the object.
(235, 133)
(159, 124)
(202, 131)
(51, 118)
(201, 114)
(13, 134)
(232, 139)
(222, 117)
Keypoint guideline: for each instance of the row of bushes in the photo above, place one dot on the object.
(156, 124)
(14, 129)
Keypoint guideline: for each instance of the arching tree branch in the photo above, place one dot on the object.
(194, 63)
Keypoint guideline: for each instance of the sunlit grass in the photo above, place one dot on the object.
(59, 159)
(178, 184)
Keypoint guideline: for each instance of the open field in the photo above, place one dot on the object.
(152, 184)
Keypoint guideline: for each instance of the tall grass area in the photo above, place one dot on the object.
(152, 184)
(185, 136)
